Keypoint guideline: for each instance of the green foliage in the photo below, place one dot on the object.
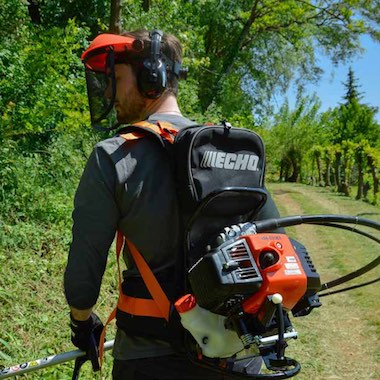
(352, 88)
(240, 53)
(235, 51)
(252, 39)
(38, 186)
(355, 121)
(13, 14)
(57, 13)
(43, 86)
(293, 134)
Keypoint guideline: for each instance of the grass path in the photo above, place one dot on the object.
(340, 340)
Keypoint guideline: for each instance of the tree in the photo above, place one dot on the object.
(355, 121)
(268, 43)
(360, 162)
(352, 88)
(352, 130)
(293, 134)
(373, 157)
(115, 21)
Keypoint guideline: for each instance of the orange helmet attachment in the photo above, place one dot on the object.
(100, 58)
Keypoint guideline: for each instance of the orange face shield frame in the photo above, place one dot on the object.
(95, 56)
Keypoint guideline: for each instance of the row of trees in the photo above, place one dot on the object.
(339, 148)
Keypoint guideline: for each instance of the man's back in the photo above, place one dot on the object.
(135, 194)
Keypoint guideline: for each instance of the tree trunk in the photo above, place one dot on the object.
(284, 169)
(366, 187)
(34, 12)
(327, 175)
(146, 5)
(337, 172)
(359, 161)
(333, 178)
(375, 178)
(319, 168)
(115, 23)
(295, 174)
(295, 163)
(346, 178)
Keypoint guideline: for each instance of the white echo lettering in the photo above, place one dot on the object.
(241, 162)
(205, 163)
(253, 163)
(213, 159)
(230, 161)
(219, 162)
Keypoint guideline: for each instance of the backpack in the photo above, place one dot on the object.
(219, 174)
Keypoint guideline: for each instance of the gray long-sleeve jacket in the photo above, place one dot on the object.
(126, 186)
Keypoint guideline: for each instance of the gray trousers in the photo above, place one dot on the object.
(174, 367)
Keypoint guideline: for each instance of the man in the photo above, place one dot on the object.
(129, 186)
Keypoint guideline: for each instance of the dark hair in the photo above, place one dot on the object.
(171, 48)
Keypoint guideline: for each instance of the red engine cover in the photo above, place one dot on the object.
(286, 276)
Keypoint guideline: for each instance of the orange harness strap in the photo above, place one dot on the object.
(158, 306)
(163, 128)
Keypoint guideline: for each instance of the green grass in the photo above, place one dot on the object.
(34, 315)
(338, 341)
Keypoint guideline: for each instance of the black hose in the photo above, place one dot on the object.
(351, 229)
(271, 224)
(328, 293)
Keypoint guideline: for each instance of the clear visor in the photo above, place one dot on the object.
(101, 90)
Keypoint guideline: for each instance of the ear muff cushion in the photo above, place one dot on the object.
(152, 76)
(152, 86)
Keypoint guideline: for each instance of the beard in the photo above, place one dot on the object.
(132, 108)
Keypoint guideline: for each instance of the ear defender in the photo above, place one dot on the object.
(152, 78)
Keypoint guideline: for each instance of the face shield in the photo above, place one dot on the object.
(101, 90)
(99, 60)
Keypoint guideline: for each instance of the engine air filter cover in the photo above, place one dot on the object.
(225, 275)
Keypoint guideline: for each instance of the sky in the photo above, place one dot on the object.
(366, 67)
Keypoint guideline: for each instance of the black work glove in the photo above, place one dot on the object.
(86, 333)
(86, 336)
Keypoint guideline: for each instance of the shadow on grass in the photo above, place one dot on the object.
(282, 192)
